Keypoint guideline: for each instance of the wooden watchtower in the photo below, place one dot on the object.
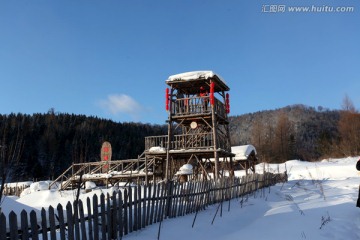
(198, 127)
(197, 143)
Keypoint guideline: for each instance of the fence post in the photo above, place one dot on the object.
(181, 199)
(139, 207)
(13, 225)
(70, 221)
(157, 201)
(108, 216)
(82, 220)
(148, 204)
(34, 226)
(90, 227)
(103, 217)
(189, 187)
(144, 207)
(135, 226)
(52, 223)
(120, 215)
(125, 212)
(44, 224)
(176, 198)
(114, 219)
(161, 202)
(169, 188)
(24, 225)
(61, 221)
(2, 226)
(96, 217)
(152, 212)
(76, 220)
(130, 203)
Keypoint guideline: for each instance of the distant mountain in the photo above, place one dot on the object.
(302, 132)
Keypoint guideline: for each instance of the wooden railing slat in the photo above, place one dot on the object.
(52, 224)
(61, 220)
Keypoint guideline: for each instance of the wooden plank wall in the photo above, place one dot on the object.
(114, 215)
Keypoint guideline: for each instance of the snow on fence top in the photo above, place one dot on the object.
(192, 81)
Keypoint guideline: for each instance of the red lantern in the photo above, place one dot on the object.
(167, 99)
(227, 103)
(212, 87)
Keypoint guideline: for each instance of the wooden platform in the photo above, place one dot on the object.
(180, 153)
(109, 172)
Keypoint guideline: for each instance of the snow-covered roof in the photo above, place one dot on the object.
(242, 152)
(191, 81)
(193, 76)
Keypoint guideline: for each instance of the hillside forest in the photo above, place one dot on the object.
(42, 146)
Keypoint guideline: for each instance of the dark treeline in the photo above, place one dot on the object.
(42, 146)
(299, 132)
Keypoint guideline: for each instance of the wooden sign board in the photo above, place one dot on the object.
(105, 155)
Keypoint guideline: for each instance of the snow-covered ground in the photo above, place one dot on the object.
(318, 202)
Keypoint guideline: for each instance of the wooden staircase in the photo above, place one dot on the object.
(107, 172)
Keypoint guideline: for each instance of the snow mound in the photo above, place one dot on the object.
(186, 169)
(157, 149)
(242, 152)
(39, 186)
(90, 185)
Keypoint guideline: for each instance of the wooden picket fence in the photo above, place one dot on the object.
(115, 215)
(13, 191)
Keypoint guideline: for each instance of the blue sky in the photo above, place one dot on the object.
(111, 58)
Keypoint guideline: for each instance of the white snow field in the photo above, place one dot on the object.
(318, 202)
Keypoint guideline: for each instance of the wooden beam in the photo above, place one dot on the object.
(216, 155)
(168, 147)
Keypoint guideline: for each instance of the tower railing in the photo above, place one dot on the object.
(220, 109)
(183, 142)
(197, 105)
